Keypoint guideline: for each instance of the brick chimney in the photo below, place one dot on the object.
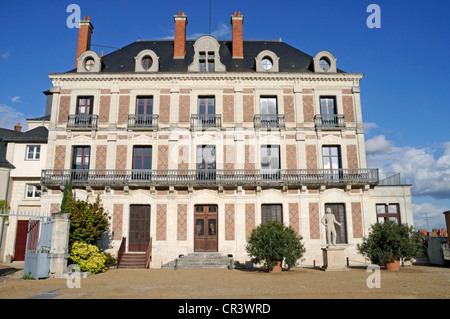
(18, 127)
(179, 45)
(84, 37)
(238, 40)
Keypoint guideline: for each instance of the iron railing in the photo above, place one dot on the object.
(82, 122)
(269, 121)
(204, 121)
(143, 121)
(219, 177)
(329, 121)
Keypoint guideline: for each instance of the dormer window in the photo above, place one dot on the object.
(206, 56)
(325, 62)
(89, 61)
(267, 61)
(146, 61)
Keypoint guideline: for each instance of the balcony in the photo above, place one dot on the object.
(269, 121)
(205, 121)
(82, 122)
(213, 178)
(329, 121)
(143, 122)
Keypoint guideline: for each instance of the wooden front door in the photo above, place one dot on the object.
(205, 232)
(139, 236)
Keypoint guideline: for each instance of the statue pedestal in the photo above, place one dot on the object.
(334, 259)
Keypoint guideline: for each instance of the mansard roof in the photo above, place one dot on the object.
(290, 58)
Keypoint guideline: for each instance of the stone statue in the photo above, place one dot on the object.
(329, 220)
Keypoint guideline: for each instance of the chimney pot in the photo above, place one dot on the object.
(18, 127)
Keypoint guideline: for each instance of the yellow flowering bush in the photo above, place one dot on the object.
(88, 257)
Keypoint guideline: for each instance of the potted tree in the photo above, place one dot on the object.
(273, 242)
(390, 242)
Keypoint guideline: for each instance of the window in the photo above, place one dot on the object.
(142, 157)
(84, 106)
(328, 106)
(33, 152)
(324, 64)
(144, 105)
(206, 61)
(80, 162)
(32, 191)
(268, 105)
(147, 63)
(271, 212)
(206, 162)
(388, 212)
(206, 112)
(331, 156)
(270, 162)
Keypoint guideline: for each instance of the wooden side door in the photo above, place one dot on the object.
(21, 240)
(139, 235)
(205, 232)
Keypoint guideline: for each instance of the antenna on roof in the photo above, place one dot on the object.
(209, 17)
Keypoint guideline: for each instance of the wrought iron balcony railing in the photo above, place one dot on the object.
(82, 122)
(143, 121)
(204, 121)
(329, 121)
(269, 121)
(237, 177)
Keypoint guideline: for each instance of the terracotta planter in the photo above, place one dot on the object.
(277, 267)
(394, 266)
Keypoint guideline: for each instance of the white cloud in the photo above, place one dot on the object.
(5, 55)
(417, 166)
(428, 216)
(10, 117)
(15, 99)
(378, 144)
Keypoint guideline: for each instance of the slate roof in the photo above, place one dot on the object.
(291, 59)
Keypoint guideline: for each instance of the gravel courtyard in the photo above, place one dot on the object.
(417, 282)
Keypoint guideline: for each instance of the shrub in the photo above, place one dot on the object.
(389, 241)
(88, 222)
(273, 242)
(88, 257)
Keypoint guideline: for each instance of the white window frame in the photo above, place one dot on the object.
(34, 191)
(36, 155)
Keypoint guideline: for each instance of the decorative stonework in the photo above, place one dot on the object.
(161, 221)
(124, 108)
(60, 157)
(352, 156)
(164, 109)
(349, 113)
(249, 107)
(228, 108)
(55, 208)
(311, 157)
(314, 225)
(182, 222)
(64, 109)
(228, 157)
(163, 157)
(308, 108)
(183, 157)
(184, 109)
(105, 102)
(357, 220)
(100, 157)
(229, 222)
(117, 221)
(121, 156)
(294, 219)
(249, 157)
(291, 156)
(289, 109)
(250, 219)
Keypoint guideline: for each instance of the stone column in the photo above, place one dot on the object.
(59, 252)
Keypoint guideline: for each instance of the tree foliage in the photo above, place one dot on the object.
(390, 241)
(273, 242)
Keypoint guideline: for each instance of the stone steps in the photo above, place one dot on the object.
(136, 261)
(200, 261)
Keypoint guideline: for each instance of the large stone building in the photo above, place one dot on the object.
(193, 143)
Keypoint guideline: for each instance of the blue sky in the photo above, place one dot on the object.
(405, 93)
